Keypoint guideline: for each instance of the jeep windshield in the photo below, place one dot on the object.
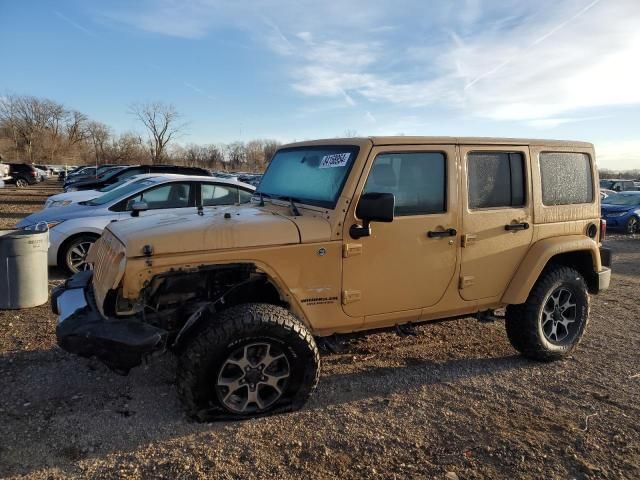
(311, 175)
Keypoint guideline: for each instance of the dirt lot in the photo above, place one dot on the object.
(454, 400)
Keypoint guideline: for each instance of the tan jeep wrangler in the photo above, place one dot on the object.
(342, 236)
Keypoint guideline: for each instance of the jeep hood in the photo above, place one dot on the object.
(219, 228)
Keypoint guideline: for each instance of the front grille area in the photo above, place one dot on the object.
(106, 255)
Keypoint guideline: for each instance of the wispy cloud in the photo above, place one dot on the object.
(75, 25)
(539, 63)
(198, 90)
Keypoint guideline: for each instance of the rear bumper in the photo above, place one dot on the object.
(119, 343)
(604, 275)
(604, 278)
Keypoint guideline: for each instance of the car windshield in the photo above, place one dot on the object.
(622, 199)
(119, 192)
(312, 175)
(113, 186)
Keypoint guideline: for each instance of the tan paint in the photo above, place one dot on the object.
(538, 256)
(400, 267)
(338, 284)
(492, 256)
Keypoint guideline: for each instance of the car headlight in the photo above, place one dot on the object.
(615, 214)
(59, 203)
(40, 226)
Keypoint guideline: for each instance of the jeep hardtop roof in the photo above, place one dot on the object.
(425, 140)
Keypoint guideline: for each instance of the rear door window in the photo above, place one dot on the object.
(213, 194)
(171, 195)
(496, 179)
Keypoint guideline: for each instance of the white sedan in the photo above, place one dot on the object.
(68, 198)
(73, 228)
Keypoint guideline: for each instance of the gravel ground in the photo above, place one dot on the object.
(454, 401)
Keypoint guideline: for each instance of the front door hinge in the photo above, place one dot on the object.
(351, 249)
(350, 296)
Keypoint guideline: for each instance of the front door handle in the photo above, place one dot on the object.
(449, 232)
(517, 226)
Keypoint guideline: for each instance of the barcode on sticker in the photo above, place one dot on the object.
(335, 160)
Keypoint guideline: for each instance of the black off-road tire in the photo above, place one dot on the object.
(524, 322)
(200, 364)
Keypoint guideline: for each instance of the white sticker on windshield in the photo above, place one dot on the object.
(335, 160)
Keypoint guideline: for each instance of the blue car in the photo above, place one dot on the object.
(622, 211)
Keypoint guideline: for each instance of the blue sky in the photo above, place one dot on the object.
(298, 69)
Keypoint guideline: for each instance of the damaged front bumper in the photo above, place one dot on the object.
(120, 343)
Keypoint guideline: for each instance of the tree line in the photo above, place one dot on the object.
(42, 131)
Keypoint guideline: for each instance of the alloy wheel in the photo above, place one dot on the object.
(21, 183)
(77, 256)
(253, 378)
(559, 316)
(632, 225)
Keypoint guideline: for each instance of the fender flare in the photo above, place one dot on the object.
(538, 257)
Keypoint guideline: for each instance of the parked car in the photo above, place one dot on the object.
(23, 175)
(604, 193)
(622, 211)
(4, 172)
(617, 185)
(42, 174)
(73, 228)
(114, 177)
(251, 178)
(91, 174)
(64, 172)
(346, 235)
(67, 198)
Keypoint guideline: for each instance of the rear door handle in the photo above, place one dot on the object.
(449, 232)
(517, 226)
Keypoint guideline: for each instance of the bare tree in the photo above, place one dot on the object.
(29, 118)
(99, 135)
(9, 119)
(56, 115)
(75, 127)
(270, 147)
(162, 124)
(236, 155)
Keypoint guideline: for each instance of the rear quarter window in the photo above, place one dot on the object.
(566, 178)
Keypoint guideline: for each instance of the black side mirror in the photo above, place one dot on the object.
(373, 207)
(137, 207)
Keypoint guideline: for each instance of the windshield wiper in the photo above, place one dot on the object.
(262, 195)
(294, 209)
(291, 200)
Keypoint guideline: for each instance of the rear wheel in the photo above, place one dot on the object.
(73, 254)
(249, 360)
(632, 225)
(21, 183)
(550, 324)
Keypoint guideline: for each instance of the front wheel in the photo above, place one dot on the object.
(73, 254)
(632, 225)
(550, 324)
(248, 360)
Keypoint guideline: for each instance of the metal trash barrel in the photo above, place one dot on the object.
(24, 276)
